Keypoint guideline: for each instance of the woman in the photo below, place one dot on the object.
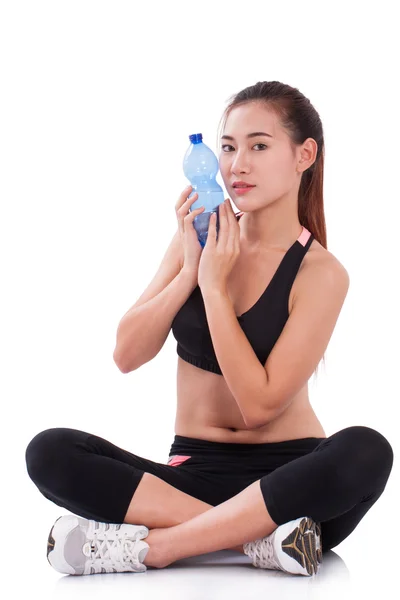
(251, 468)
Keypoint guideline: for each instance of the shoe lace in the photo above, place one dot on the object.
(261, 552)
(121, 549)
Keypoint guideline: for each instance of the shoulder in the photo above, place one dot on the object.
(322, 268)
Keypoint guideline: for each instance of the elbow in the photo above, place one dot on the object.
(266, 415)
(256, 424)
(122, 366)
(117, 361)
(251, 425)
(263, 417)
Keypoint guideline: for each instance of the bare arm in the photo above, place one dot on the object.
(143, 330)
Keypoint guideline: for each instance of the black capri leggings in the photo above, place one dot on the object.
(334, 480)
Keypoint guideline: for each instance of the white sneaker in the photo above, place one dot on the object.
(294, 547)
(79, 546)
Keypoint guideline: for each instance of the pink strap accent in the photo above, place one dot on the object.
(176, 460)
(304, 236)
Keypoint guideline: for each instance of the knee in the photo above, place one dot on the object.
(371, 448)
(43, 451)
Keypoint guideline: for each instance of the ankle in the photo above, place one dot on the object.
(157, 554)
(237, 549)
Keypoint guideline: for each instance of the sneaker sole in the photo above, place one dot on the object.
(303, 545)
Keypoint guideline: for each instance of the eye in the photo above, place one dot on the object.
(229, 146)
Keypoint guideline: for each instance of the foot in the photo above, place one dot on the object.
(294, 547)
(79, 546)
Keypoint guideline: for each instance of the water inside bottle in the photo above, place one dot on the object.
(201, 224)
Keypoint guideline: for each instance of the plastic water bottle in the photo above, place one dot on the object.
(200, 166)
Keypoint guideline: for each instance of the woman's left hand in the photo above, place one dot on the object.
(218, 257)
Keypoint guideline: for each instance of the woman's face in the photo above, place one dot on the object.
(266, 162)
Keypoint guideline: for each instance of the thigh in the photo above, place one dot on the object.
(180, 471)
(49, 447)
(90, 475)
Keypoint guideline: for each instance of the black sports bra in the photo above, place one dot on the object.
(262, 323)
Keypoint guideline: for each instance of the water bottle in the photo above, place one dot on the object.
(200, 166)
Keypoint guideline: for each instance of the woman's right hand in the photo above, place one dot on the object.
(191, 246)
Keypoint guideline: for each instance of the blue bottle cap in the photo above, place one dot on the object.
(196, 138)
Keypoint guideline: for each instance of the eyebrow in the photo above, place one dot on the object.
(249, 135)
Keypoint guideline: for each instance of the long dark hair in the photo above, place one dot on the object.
(301, 121)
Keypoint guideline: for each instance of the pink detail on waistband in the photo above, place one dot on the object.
(304, 236)
(176, 460)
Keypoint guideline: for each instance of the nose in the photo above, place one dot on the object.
(238, 166)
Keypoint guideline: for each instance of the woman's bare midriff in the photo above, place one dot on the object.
(206, 409)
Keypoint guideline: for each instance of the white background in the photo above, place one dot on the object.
(97, 102)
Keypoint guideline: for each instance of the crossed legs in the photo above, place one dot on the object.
(182, 526)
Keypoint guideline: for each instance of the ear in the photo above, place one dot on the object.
(308, 154)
